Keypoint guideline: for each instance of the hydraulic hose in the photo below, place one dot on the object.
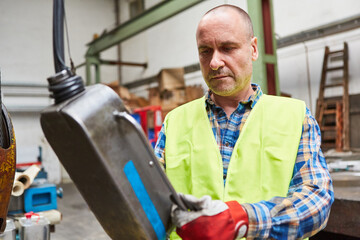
(58, 35)
(64, 84)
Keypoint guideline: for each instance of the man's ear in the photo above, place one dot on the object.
(254, 49)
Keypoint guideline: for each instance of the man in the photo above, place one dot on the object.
(258, 157)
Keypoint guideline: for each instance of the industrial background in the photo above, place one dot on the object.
(146, 51)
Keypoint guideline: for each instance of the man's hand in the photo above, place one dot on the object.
(214, 219)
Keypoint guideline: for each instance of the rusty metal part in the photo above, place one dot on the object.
(7, 164)
(123, 63)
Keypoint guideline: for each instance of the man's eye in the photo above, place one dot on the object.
(227, 49)
(204, 51)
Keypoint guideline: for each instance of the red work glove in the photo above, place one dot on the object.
(215, 219)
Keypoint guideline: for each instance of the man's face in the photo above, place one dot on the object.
(226, 51)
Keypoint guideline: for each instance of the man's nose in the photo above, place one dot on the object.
(216, 61)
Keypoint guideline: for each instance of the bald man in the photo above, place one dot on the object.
(247, 164)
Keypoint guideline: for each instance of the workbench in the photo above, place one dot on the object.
(345, 212)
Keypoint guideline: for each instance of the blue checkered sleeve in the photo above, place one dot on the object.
(160, 146)
(305, 209)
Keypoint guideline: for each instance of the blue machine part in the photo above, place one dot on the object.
(40, 198)
(136, 117)
(144, 199)
(42, 174)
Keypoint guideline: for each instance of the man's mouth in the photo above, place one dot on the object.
(219, 76)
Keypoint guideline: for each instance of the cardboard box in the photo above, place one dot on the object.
(150, 119)
(130, 100)
(194, 92)
(165, 112)
(154, 96)
(171, 78)
(136, 102)
(142, 102)
(121, 91)
(172, 99)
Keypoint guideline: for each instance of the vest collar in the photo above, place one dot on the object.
(252, 100)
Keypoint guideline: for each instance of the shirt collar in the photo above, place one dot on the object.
(253, 99)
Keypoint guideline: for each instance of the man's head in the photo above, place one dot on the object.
(227, 47)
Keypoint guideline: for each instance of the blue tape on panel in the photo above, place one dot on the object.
(144, 199)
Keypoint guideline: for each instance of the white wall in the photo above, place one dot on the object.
(26, 58)
(295, 16)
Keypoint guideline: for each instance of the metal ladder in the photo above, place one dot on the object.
(332, 113)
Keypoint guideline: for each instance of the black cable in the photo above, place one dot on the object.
(58, 35)
(64, 84)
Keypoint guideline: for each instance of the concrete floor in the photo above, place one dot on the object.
(78, 222)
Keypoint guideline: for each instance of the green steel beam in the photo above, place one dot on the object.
(269, 58)
(259, 66)
(92, 61)
(149, 18)
(259, 70)
(274, 40)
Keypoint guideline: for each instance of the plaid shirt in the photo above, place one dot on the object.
(306, 208)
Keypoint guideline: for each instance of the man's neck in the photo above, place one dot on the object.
(230, 103)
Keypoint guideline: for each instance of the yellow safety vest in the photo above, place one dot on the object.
(262, 161)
